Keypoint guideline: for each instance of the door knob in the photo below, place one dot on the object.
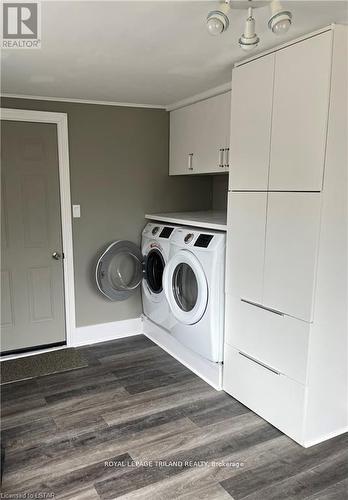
(56, 256)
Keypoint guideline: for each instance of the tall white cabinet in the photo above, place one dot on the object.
(251, 119)
(279, 117)
(286, 335)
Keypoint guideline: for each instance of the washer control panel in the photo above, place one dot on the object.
(166, 232)
(157, 231)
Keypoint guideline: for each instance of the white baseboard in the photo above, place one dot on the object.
(92, 334)
(330, 435)
(207, 370)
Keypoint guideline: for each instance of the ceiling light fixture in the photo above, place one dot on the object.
(280, 20)
(217, 20)
(249, 38)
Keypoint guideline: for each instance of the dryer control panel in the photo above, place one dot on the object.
(187, 237)
(203, 240)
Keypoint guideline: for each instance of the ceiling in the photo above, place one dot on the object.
(146, 52)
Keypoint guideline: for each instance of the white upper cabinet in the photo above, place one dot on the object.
(214, 131)
(246, 220)
(292, 238)
(251, 115)
(279, 114)
(199, 137)
(184, 140)
(300, 113)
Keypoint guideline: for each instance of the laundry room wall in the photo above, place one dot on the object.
(219, 191)
(119, 171)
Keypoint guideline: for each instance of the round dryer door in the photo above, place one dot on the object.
(119, 270)
(186, 287)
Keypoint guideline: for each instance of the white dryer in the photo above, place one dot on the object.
(193, 282)
(123, 267)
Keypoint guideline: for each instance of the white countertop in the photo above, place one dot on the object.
(209, 219)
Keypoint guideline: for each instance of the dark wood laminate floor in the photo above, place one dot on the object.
(134, 404)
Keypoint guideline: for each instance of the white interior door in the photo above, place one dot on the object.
(32, 305)
(300, 113)
(251, 115)
(246, 225)
(292, 237)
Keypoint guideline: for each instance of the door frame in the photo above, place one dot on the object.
(61, 121)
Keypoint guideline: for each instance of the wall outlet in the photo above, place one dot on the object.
(76, 211)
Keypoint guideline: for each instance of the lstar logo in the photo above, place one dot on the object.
(21, 25)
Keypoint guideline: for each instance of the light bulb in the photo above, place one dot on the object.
(281, 27)
(280, 20)
(217, 22)
(215, 26)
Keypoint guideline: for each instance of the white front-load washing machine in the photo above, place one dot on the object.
(193, 282)
(123, 267)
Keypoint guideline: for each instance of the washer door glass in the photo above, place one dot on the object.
(154, 267)
(119, 270)
(185, 287)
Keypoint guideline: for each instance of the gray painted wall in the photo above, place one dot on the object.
(119, 171)
(219, 192)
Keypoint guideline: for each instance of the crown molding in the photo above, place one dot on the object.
(82, 101)
(221, 89)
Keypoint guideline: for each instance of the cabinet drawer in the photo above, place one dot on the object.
(276, 398)
(277, 340)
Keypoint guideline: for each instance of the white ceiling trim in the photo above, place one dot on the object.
(221, 89)
(82, 101)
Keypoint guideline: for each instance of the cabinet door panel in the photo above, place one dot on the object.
(251, 114)
(183, 140)
(245, 245)
(300, 111)
(291, 252)
(213, 117)
(201, 129)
